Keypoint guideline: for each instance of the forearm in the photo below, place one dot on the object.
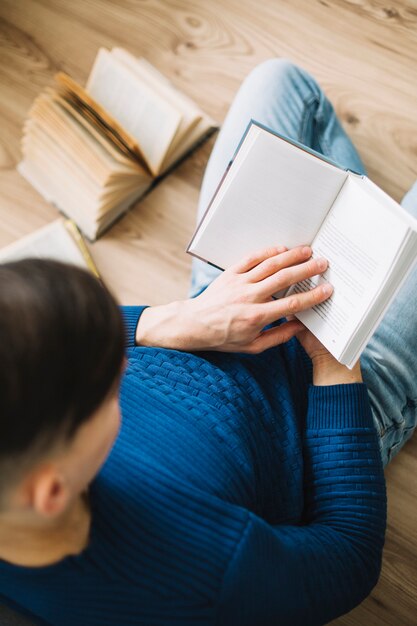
(176, 326)
(345, 487)
(341, 449)
(312, 572)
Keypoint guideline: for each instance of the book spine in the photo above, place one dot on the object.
(297, 144)
(76, 235)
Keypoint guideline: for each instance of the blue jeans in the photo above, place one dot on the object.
(288, 100)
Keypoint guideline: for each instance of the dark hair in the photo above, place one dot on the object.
(61, 350)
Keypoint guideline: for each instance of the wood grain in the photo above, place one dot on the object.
(364, 54)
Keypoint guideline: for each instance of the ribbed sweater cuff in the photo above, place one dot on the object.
(339, 406)
(131, 315)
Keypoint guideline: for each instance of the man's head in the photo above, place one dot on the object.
(61, 356)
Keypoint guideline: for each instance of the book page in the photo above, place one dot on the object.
(74, 138)
(150, 76)
(97, 133)
(274, 194)
(197, 134)
(139, 109)
(360, 238)
(50, 242)
(93, 111)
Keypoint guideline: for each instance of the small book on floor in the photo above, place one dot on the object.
(60, 240)
(276, 191)
(93, 152)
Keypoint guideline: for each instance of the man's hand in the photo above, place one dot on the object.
(231, 313)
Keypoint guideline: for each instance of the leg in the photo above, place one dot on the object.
(389, 363)
(289, 101)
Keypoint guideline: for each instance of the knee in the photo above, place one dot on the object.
(280, 76)
(278, 71)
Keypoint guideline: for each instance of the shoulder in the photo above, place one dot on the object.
(160, 528)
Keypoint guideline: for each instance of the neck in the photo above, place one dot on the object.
(32, 542)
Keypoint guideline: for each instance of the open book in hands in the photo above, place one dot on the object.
(93, 152)
(278, 192)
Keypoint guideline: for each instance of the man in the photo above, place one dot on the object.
(236, 492)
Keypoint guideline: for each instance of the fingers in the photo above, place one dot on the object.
(291, 275)
(253, 260)
(295, 303)
(273, 264)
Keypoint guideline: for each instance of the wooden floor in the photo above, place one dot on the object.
(363, 52)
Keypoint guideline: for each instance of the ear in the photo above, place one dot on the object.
(48, 493)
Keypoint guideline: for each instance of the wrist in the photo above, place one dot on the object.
(328, 371)
(157, 325)
(174, 325)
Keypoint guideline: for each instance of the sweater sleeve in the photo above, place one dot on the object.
(131, 316)
(310, 574)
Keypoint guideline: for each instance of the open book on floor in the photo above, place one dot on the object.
(93, 152)
(60, 240)
(276, 191)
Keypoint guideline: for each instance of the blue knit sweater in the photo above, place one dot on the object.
(236, 494)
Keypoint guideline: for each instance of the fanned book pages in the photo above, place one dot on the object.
(93, 152)
(276, 191)
(60, 240)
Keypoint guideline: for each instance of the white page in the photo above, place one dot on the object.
(157, 81)
(360, 238)
(195, 124)
(274, 193)
(389, 202)
(192, 139)
(49, 242)
(139, 109)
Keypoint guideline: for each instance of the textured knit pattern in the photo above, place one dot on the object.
(235, 494)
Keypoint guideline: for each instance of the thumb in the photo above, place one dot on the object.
(277, 335)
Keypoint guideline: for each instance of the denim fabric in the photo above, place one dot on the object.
(389, 362)
(288, 100)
